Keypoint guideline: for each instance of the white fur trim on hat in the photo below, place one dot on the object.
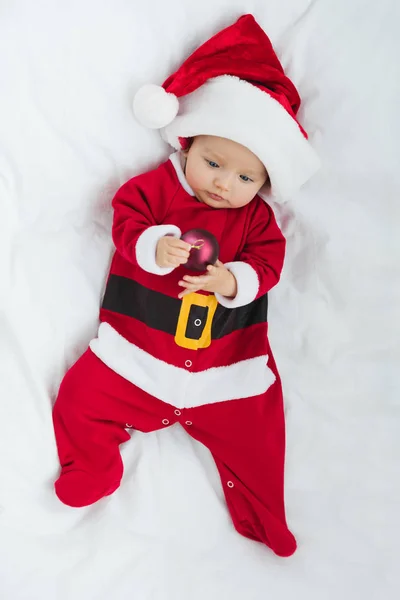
(154, 107)
(146, 247)
(233, 108)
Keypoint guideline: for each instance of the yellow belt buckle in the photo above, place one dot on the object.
(199, 300)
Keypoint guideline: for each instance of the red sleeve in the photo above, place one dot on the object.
(261, 260)
(140, 206)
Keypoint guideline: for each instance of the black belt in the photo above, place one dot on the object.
(158, 311)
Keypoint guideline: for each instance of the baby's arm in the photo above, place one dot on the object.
(258, 269)
(139, 207)
(260, 263)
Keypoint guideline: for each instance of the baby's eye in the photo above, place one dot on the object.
(245, 178)
(213, 164)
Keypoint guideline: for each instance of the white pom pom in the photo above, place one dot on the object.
(154, 107)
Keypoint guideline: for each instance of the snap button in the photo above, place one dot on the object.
(177, 412)
(188, 423)
(128, 425)
(188, 363)
(165, 422)
(230, 484)
(197, 322)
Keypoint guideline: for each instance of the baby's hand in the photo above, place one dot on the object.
(171, 252)
(218, 279)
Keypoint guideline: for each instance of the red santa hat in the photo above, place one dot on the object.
(234, 86)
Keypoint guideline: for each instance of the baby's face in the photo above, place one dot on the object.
(223, 173)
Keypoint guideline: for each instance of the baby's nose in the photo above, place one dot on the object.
(222, 183)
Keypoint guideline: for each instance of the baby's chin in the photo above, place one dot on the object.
(202, 197)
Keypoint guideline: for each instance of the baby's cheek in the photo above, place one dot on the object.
(243, 197)
(195, 181)
(197, 176)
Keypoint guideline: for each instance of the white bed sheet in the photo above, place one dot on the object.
(68, 71)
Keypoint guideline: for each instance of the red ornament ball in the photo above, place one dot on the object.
(204, 249)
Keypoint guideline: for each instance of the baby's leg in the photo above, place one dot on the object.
(88, 433)
(247, 440)
(93, 409)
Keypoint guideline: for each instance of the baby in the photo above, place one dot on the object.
(222, 174)
(175, 346)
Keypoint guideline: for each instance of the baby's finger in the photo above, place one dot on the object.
(177, 260)
(197, 279)
(174, 261)
(177, 243)
(172, 264)
(178, 252)
(219, 264)
(187, 291)
(189, 286)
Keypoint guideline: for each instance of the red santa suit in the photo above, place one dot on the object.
(203, 362)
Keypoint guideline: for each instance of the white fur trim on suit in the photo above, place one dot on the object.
(175, 158)
(247, 285)
(230, 107)
(147, 244)
(179, 386)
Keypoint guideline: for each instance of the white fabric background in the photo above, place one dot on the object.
(68, 72)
